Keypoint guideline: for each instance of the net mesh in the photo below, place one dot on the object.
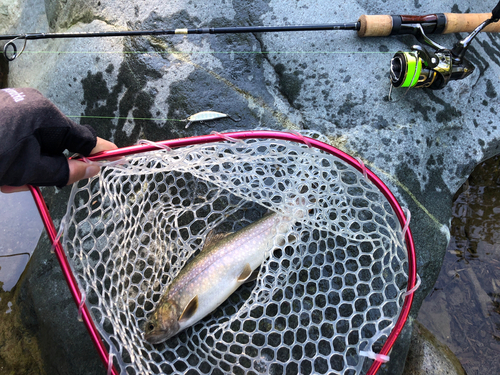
(335, 289)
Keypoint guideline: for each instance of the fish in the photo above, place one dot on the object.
(223, 265)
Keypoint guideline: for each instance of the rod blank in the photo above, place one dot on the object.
(208, 30)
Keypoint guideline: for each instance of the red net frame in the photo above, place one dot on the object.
(216, 137)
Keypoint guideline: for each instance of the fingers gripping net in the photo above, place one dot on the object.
(335, 287)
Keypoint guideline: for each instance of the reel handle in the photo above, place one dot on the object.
(439, 23)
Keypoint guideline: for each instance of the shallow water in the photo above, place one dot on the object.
(20, 229)
(463, 310)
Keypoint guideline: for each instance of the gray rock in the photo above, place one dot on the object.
(429, 356)
(423, 146)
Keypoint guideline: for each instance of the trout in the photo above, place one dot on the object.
(225, 262)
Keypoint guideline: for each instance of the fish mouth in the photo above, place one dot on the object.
(155, 338)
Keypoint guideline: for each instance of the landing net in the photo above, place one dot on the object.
(325, 300)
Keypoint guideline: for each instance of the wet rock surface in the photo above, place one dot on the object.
(423, 146)
(20, 353)
(50, 317)
(429, 356)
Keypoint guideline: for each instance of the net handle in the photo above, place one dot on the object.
(218, 137)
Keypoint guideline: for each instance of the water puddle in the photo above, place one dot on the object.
(463, 310)
(20, 229)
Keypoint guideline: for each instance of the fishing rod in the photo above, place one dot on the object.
(418, 68)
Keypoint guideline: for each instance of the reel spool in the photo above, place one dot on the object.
(420, 69)
(405, 69)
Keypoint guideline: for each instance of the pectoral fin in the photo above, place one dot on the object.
(189, 310)
(246, 274)
(254, 275)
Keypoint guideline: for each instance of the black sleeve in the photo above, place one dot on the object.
(33, 135)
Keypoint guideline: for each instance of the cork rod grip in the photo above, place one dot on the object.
(382, 25)
(377, 25)
(457, 23)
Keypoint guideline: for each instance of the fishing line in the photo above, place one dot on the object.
(208, 52)
(197, 117)
(126, 118)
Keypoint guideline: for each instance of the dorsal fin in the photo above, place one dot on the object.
(245, 274)
(189, 310)
(213, 237)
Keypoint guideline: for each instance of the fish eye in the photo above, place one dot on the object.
(151, 326)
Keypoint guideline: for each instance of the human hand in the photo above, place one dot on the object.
(33, 135)
(78, 170)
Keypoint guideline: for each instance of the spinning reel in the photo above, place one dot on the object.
(421, 68)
